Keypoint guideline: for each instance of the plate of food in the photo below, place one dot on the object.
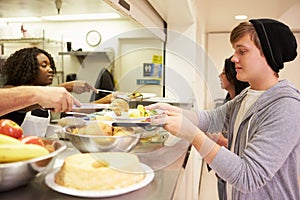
(136, 96)
(108, 180)
(132, 119)
(138, 114)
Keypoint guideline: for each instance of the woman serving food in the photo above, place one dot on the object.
(34, 67)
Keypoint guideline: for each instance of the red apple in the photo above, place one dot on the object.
(10, 128)
(32, 140)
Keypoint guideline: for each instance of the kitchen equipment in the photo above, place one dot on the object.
(16, 174)
(107, 91)
(147, 126)
(85, 106)
(101, 143)
(76, 114)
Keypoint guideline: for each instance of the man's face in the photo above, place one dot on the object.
(250, 64)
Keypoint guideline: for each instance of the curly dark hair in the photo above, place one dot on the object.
(22, 67)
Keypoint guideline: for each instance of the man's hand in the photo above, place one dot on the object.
(164, 107)
(57, 98)
(177, 125)
(182, 127)
(188, 114)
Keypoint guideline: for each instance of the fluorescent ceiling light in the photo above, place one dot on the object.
(240, 17)
(20, 19)
(82, 17)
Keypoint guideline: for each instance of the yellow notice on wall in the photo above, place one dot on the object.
(157, 59)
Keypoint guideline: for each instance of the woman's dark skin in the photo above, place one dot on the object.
(34, 67)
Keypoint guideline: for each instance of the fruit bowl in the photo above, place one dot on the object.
(16, 174)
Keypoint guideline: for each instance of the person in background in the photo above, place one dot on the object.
(105, 81)
(233, 86)
(34, 67)
(229, 81)
(17, 98)
(263, 155)
(23, 67)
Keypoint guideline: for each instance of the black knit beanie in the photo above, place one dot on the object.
(277, 40)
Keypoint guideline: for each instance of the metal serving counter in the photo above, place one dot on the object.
(167, 163)
(174, 102)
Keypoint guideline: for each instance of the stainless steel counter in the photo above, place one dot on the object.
(145, 102)
(167, 162)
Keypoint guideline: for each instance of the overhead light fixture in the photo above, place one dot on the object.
(79, 17)
(20, 19)
(58, 4)
(241, 17)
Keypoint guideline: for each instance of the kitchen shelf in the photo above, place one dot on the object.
(81, 55)
(27, 40)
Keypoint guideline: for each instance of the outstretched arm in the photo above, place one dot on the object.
(48, 97)
(78, 86)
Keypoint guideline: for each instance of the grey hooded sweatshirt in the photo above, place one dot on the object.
(266, 159)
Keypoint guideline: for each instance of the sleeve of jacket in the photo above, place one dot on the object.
(212, 121)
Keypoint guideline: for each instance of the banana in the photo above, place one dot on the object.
(5, 139)
(19, 152)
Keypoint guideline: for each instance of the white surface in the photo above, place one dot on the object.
(105, 193)
(163, 100)
(188, 183)
(132, 119)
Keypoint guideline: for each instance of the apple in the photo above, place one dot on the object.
(10, 128)
(32, 140)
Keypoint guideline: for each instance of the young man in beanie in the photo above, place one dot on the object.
(263, 156)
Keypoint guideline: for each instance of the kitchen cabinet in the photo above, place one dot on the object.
(168, 10)
(142, 12)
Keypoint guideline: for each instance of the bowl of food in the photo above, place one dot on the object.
(67, 121)
(14, 174)
(100, 136)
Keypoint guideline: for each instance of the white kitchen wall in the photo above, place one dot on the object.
(185, 75)
(219, 48)
(134, 53)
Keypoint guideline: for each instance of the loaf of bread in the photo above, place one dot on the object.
(100, 171)
(119, 106)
